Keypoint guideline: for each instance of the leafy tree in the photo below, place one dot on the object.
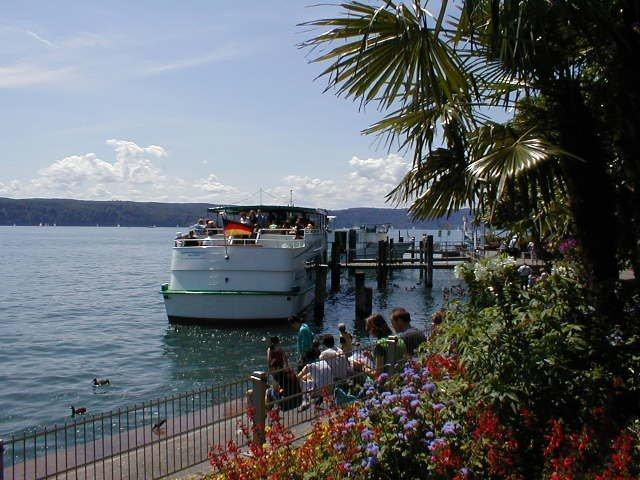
(557, 68)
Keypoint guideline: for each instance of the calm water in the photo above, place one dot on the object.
(79, 303)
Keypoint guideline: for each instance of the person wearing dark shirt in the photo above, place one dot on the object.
(401, 323)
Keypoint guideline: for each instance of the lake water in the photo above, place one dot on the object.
(78, 303)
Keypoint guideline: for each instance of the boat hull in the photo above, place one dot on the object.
(257, 282)
(227, 308)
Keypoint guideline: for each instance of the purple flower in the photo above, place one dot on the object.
(415, 403)
(370, 462)
(382, 377)
(399, 411)
(435, 444)
(429, 434)
(449, 428)
(438, 406)
(363, 413)
(367, 435)
(411, 424)
(339, 447)
(373, 449)
(350, 423)
(429, 387)
(465, 472)
(346, 466)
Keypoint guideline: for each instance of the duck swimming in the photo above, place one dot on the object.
(101, 382)
(78, 411)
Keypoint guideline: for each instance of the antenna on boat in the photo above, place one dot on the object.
(291, 197)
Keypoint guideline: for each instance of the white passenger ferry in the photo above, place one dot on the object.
(245, 270)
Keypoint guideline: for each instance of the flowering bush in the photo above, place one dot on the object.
(517, 384)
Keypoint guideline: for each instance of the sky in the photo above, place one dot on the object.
(190, 101)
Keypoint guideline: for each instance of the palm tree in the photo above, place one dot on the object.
(439, 86)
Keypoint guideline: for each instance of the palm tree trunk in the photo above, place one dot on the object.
(591, 192)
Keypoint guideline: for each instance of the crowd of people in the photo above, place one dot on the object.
(321, 362)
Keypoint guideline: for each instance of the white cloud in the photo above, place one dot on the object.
(366, 185)
(39, 38)
(134, 174)
(24, 75)
(221, 54)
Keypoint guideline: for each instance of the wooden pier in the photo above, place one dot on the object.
(421, 256)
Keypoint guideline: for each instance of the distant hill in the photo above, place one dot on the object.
(65, 212)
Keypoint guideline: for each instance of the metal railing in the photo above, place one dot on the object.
(162, 437)
(265, 237)
(146, 441)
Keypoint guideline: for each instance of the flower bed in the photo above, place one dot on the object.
(516, 384)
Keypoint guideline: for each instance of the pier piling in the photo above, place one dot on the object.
(382, 264)
(352, 245)
(428, 251)
(335, 269)
(320, 292)
(364, 297)
(421, 257)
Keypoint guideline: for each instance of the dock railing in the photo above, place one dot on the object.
(146, 441)
(162, 437)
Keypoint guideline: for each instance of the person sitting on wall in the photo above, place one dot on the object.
(401, 322)
(315, 377)
(335, 357)
(346, 339)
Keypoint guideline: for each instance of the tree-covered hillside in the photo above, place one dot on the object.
(63, 212)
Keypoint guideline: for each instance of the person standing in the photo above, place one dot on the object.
(305, 337)
(401, 323)
(346, 339)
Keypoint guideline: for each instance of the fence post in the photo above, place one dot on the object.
(258, 398)
(1, 459)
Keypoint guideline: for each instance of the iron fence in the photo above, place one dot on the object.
(147, 441)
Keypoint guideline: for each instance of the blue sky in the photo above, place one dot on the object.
(177, 101)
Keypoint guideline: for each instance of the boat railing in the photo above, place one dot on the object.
(277, 241)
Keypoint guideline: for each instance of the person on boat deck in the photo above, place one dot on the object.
(401, 323)
(199, 228)
(253, 218)
(261, 219)
(244, 219)
(305, 337)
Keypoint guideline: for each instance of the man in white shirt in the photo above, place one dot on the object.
(314, 376)
(335, 357)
